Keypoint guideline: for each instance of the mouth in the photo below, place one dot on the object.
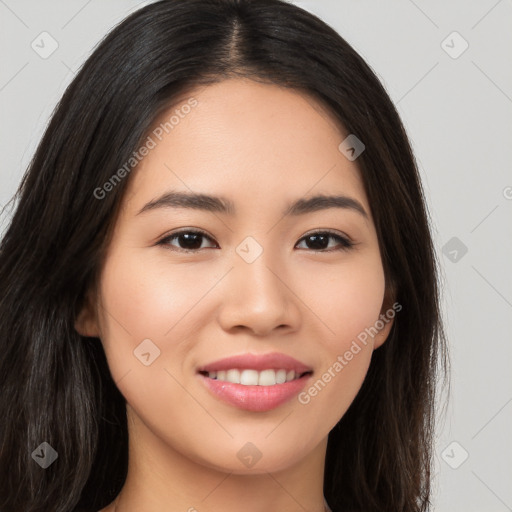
(255, 382)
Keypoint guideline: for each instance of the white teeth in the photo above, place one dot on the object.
(253, 377)
(249, 377)
(233, 376)
(280, 376)
(267, 378)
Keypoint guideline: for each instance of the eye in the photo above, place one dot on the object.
(188, 240)
(319, 241)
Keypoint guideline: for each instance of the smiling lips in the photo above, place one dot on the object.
(255, 382)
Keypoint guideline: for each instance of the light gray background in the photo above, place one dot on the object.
(458, 114)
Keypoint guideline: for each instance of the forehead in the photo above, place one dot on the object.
(257, 144)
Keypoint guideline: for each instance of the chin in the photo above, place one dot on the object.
(254, 458)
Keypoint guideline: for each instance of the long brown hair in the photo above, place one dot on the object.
(56, 385)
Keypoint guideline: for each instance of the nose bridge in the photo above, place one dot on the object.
(256, 269)
(258, 296)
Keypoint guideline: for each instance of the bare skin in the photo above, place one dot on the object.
(262, 147)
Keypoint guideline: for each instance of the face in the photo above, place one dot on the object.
(290, 292)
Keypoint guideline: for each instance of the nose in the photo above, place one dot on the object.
(259, 297)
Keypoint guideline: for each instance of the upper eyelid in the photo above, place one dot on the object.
(204, 233)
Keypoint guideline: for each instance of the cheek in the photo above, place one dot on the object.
(348, 301)
(143, 299)
(148, 311)
(347, 298)
(146, 298)
(333, 389)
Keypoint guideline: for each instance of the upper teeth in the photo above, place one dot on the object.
(253, 377)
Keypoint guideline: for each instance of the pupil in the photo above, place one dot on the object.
(190, 240)
(316, 239)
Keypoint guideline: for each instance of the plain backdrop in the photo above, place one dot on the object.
(446, 66)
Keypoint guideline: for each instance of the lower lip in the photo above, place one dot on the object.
(255, 398)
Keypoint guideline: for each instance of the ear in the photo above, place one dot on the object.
(387, 315)
(86, 321)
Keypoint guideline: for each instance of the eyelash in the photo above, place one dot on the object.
(345, 243)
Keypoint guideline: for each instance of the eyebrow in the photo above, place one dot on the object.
(219, 204)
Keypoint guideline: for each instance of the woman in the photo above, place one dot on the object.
(219, 284)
